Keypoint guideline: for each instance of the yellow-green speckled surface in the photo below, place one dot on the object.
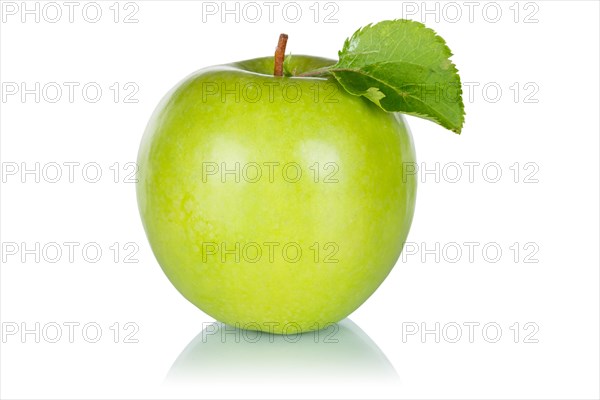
(358, 212)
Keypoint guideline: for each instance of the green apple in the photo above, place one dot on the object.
(275, 203)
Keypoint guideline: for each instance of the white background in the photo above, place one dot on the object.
(551, 211)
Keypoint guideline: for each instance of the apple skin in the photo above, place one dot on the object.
(221, 242)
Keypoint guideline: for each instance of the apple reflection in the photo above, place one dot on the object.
(339, 353)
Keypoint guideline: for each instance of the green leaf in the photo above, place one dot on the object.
(403, 66)
(287, 69)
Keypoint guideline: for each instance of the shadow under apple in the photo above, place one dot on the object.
(341, 353)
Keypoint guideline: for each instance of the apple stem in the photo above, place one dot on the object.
(280, 54)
